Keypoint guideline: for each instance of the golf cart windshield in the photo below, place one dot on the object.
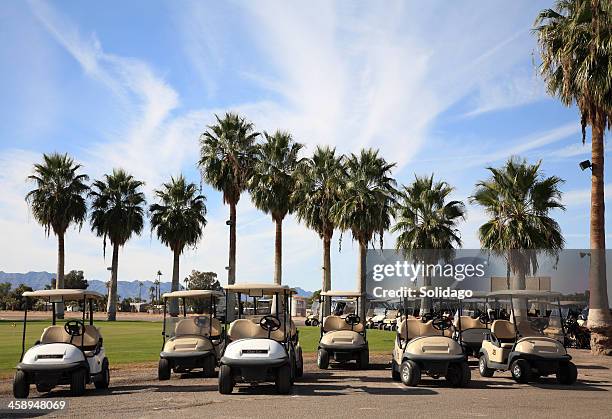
(197, 310)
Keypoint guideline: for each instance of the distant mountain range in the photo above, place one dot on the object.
(125, 289)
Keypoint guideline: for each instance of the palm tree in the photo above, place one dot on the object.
(427, 224)
(117, 208)
(272, 183)
(575, 43)
(58, 201)
(366, 205)
(152, 293)
(178, 219)
(318, 183)
(519, 201)
(227, 157)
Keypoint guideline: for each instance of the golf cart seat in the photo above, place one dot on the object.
(57, 334)
(248, 329)
(504, 332)
(468, 322)
(335, 323)
(198, 326)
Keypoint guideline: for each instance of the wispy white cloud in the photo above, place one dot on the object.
(582, 197)
(572, 150)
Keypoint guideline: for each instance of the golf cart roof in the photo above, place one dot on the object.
(524, 293)
(249, 288)
(349, 294)
(192, 294)
(66, 294)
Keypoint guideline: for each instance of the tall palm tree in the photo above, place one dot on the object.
(58, 201)
(227, 156)
(152, 293)
(178, 220)
(272, 183)
(518, 200)
(319, 180)
(366, 205)
(427, 224)
(117, 208)
(575, 43)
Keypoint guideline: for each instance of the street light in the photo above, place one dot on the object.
(585, 164)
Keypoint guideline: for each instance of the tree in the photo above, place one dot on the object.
(117, 213)
(427, 224)
(227, 156)
(58, 201)
(5, 290)
(272, 183)
(366, 205)
(73, 279)
(17, 300)
(152, 293)
(518, 199)
(178, 220)
(203, 281)
(575, 42)
(319, 181)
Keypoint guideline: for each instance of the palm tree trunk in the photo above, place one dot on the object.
(361, 279)
(278, 252)
(59, 283)
(231, 274)
(173, 306)
(326, 286)
(426, 301)
(599, 320)
(520, 304)
(111, 304)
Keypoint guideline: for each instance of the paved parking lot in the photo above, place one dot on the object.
(135, 392)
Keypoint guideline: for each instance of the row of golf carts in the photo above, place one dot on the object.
(259, 342)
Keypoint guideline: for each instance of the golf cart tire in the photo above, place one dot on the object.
(410, 373)
(226, 381)
(163, 369)
(521, 371)
(567, 373)
(364, 359)
(209, 366)
(306, 322)
(483, 367)
(299, 371)
(314, 323)
(78, 380)
(283, 379)
(395, 375)
(21, 387)
(322, 359)
(458, 374)
(102, 380)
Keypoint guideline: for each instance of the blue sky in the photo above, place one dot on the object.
(448, 88)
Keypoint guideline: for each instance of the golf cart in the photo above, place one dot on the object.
(71, 353)
(343, 336)
(523, 348)
(376, 313)
(425, 346)
(313, 318)
(191, 342)
(472, 323)
(263, 346)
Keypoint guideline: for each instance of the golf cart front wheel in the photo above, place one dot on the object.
(364, 359)
(314, 323)
(567, 373)
(521, 371)
(322, 359)
(78, 381)
(209, 366)
(484, 370)
(102, 380)
(458, 374)
(21, 387)
(395, 375)
(226, 381)
(283, 379)
(163, 369)
(410, 373)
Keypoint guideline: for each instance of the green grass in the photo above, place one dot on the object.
(140, 341)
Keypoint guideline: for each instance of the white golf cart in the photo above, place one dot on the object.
(191, 342)
(262, 346)
(72, 353)
(521, 345)
(343, 335)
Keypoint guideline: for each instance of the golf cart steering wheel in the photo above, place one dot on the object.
(74, 328)
(352, 319)
(427, 317)
(270, 323)
(442, 323)
(503, 314)
(538, 324)
(484, 318)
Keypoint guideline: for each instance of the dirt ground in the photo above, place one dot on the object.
(135, 392)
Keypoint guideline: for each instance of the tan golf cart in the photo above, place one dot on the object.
(72, 353)
(191, 341)
(262, 343)
(472, 322)
(343, 336)
(521, 345)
